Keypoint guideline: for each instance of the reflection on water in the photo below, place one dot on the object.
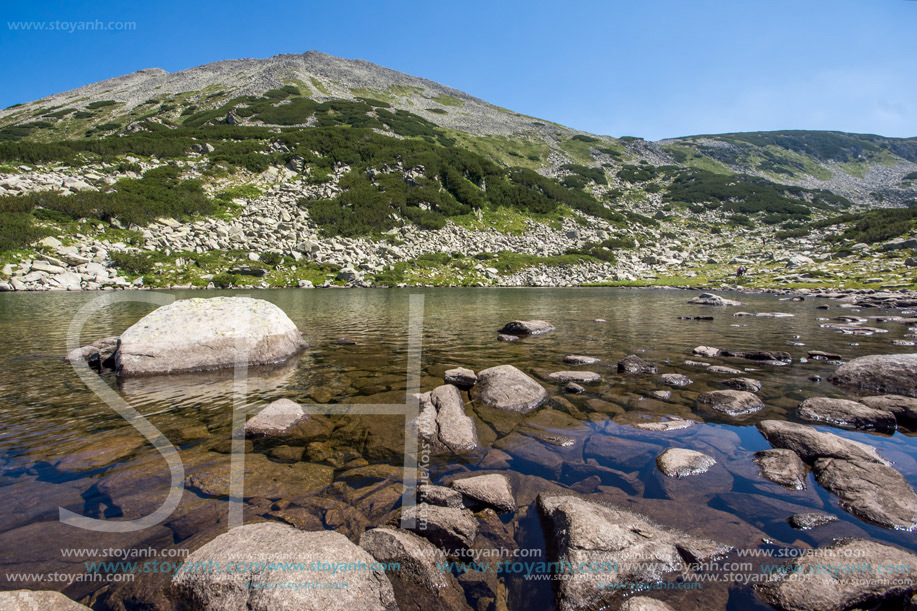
(60, 446)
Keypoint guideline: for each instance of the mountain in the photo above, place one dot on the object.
(311, 169)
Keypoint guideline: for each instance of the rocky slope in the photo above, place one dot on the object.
(271, 152)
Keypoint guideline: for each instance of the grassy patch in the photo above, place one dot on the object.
(319, 86)
(448, 100)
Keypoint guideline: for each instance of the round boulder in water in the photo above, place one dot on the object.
(203, 334)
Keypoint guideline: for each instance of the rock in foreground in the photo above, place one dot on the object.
(640, 551)
(419, 584)
(505, 387)
(808, 584)
(38, 600)
(893, 374)
(255, 589)
(203, 334)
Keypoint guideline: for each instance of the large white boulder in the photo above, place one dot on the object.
(202, 334)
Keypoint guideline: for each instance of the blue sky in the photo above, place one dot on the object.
(653, 68)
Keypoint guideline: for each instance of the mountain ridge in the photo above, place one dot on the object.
(343, 171)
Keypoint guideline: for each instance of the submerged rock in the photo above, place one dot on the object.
(285, 418)
(584, 377)
(846, 414)
(493, 490)
(634, 364)
(680, 462)
(506, 388)
(723, 369)
(807, 584)
(253, 589)
(731, 402)
(675, 424)
(782, 467)
(892, 374)
(526, 327)
(577, 359)
(202, 334)
(419, 584)
(808, 521)
(580, 531)
(675, 379)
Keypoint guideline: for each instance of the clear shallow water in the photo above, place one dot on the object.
(47, 414)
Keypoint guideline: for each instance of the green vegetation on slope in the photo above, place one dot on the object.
(748, 194)
(160, 193)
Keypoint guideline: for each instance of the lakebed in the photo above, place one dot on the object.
(62, 446)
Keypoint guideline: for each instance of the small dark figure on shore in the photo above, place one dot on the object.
(741, 271)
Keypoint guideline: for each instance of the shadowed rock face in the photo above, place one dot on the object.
(580, 531)
(904, 408)
(269, 542)
(893, 374)
(203, 334)
(419, 584)
(803, 587)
